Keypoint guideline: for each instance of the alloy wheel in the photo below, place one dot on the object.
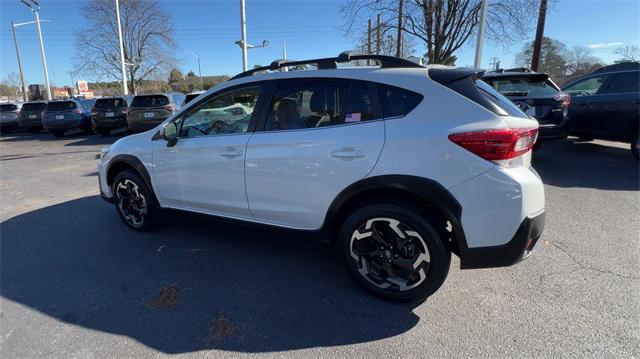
(131, 202)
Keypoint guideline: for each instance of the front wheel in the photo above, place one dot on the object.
(635, 146)
(133, 201)
(393, 252)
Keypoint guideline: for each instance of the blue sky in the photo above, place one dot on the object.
(309, 27)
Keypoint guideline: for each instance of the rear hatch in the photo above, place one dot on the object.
(62, 112)
(110, 108)
(32, 112)
(535, 94)
(8, 112)
(150, 108)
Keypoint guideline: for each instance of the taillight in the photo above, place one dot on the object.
(497, 144)
(565, 98)
(170, 107)
(94, 112)
(124, 110)
(76, 110)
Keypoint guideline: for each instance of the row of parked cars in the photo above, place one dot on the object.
(603, 105)
(135, 113)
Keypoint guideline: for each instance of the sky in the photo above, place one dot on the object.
(310, 28)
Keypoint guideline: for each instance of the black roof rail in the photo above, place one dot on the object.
(331, 63)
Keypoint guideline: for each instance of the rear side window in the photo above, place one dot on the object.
(150, 101)
(623, 83)
(110, 102)
(396, 101)
(61, 106)
(34, 106)
(8, 107)
(523, 86)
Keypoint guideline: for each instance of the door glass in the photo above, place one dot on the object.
(226, 113)
(307, 104)
(586, 87)
(624, 82)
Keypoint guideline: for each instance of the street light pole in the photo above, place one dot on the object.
(125, 90)
(199, 70)
(15, 41)
(243, 26)
(483, 24)
(44, 57)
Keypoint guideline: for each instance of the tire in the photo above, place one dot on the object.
(377, 230)
(34, 130)
(57, 133)
(104, 131)
(585, 138)
(635, 146)
(141, 214)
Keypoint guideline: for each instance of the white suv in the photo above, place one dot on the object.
(399, 165)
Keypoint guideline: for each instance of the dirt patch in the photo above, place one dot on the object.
(220, 329)
(168, 297)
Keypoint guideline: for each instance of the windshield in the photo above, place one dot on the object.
(38, 106)
(61, 106)
(150, 101)
(522, 86)
(110, 102)
(499, 100)
(8, 107)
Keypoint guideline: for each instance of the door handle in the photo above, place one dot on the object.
(231, 152)
(347, 153)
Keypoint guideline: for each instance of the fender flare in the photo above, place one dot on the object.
(137, 165)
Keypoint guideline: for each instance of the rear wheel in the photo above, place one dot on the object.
(103, 131)
(57, 133)
(393, 252)
(635, 146)
(133, 201)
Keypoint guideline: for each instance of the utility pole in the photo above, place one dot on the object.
(369, 37)
(243, 27)
(125, 89)
(483, 24)
(44, 57)
(537, 43)
(15, 41)
(378, 26)
(399, 39)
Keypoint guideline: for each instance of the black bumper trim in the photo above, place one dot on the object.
(507, 254)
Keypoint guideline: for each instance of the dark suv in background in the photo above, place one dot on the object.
(31, 116)
(606, 105)
(109, 113)
(65, 115)
(535, 94)
(148, 111)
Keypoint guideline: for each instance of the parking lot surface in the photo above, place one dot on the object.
(76, 282)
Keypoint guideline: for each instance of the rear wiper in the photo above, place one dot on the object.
(515, 93)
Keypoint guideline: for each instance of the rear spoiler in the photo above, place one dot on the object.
(445, 76)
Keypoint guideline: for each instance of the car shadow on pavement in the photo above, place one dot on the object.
(597, 165)
(231, 287)
(78, 137)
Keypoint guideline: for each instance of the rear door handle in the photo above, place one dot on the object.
(231, 152)
(347, 153)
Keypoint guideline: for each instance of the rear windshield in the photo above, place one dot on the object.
(61, 106)
(150, 101)
(522, 86)
(38, 106)
(8, 107)
(110, 102)
(499, 100)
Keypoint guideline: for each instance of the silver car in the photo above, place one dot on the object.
(9, 113)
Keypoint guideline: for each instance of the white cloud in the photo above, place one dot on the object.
(605, 45)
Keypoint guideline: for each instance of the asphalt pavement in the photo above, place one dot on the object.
(76, 282)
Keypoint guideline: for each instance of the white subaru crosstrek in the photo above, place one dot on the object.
(399, 165)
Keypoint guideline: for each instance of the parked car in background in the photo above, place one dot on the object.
(9, 113)
(537, 95)
(398, 168)
(109, 113)
(191, 96)
(148, 111)
(31, 116)
(64, 115)
(606, 105)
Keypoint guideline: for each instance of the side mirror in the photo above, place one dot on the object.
(170, 134)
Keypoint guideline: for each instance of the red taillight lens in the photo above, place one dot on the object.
(76, 110)
(94, 111)
(565, 98)
(124, 109)
(497, 144)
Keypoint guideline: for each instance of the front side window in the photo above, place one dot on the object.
(624, 83)
(586, 87)
(226, 113)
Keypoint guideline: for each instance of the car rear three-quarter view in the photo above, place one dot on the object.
(398, 165)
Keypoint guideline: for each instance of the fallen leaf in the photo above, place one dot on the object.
(168, 297)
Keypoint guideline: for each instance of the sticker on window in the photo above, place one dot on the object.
(352, 117)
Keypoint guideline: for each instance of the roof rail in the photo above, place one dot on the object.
(331, 63)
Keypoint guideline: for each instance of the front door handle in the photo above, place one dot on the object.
(231, 152)
(347, 153)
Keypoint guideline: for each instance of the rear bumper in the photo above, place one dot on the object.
(111, 123)
(31, 122)
(140, 126)
(550, 131)
(512, 252)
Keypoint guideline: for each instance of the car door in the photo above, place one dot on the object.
(320, 135)
(204, 170)
(620, 106)
(586, 102)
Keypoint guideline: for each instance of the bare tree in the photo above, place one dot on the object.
(147, 31)
(628, 53)
(444, 26)
(582, 62)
